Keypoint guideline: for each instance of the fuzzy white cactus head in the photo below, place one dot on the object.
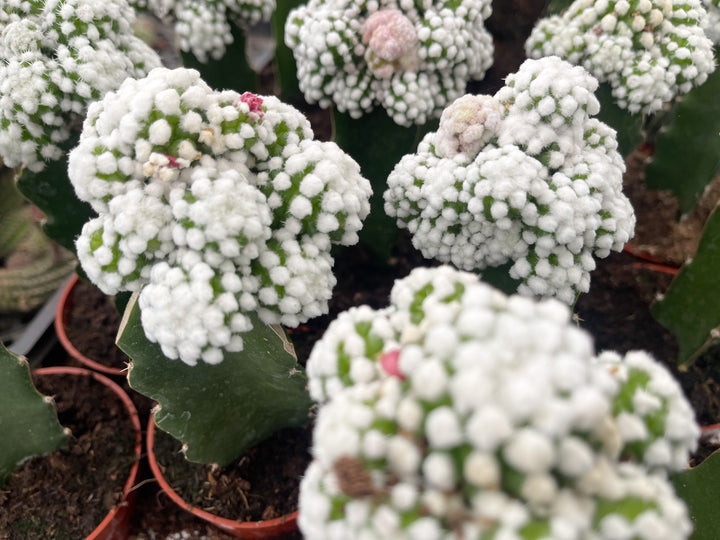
(203, 26)
(410, 59)
(649, 51)
(213, 204)
(526, 177)
(459, 412)
(55, 58)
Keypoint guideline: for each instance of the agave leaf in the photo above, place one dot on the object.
(699, 487)
(219, 411)
(690, 306)
(687, 152)
(28, 420)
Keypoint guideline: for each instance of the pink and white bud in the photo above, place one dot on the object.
(254, 102)
(467, 125)
(392, 43)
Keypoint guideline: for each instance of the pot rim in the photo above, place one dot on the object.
(100, 530)
(247, 529)
(61, 312)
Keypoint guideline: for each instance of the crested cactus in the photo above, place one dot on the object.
(527, 177)
(649, 51)
(220, 210)
(459, 412)
(412, 59)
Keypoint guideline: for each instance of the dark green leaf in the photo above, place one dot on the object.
(52, 192)
(556, 7)
(220, 411)
(628, 126)
(690, 307)
(28, 421)
(687, 152)
(377, 144)
(699, 487)
(285, 67)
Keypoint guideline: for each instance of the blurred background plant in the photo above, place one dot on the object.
(32, 267)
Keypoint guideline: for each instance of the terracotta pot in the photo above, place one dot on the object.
(116, 523)
(271, 528)
(61, 317)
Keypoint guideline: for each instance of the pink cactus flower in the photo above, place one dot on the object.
(390, 363)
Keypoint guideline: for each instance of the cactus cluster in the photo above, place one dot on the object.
(410, 58)
(459, 412)
(649, 51)
(55, 58)
(526, 176)
(215, 204)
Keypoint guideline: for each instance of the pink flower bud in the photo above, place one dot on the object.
(392, 43)
(172, 161)
(254, 102)
(390, 363)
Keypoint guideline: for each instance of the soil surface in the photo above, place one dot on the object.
(90, 315)
(67, 493)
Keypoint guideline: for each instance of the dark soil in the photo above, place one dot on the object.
(66, 494)
(92, 321)
(261, 485)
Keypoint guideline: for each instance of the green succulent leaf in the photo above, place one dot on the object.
(699, 487)
(377, 143)
(690, 307)
(52, 192)
(687, 152)
(219, 411)
(629, 127)
(28, 420)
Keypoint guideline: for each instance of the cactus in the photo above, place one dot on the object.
(459, 412)
(219, 411)
(28, 419)
(32, 266)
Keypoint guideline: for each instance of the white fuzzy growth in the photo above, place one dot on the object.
(166, 211)
(557, 442)
(410, 65)
(638, 51)
(530, 191)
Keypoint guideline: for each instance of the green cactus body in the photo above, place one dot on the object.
(220, 411)
(27, 418)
